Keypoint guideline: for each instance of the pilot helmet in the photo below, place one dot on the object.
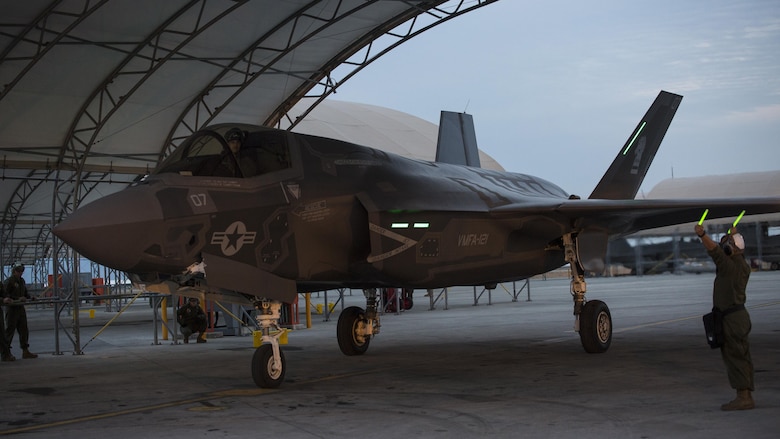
(733, 244)
(234, 134)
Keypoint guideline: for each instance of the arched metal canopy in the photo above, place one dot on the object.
(94, 93)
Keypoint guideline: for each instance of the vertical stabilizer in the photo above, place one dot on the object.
(457, 143)
(625, 175)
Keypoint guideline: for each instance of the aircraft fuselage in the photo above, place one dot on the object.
(333, 215)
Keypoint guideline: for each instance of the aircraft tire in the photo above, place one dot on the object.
(595, 327)
(346, 331)
(262, 370)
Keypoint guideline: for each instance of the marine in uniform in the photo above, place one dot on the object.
(192, 319)
(15, 289)
(728, 296)
(5, 347)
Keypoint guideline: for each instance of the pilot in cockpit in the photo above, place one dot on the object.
(227, 167)
(234, 139)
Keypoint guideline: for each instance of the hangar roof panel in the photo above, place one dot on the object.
(94, 93)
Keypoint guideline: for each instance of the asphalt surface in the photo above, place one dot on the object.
(506, 370)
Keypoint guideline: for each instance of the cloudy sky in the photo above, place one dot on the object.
(556, 87)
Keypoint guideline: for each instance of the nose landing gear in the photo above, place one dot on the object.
(268, 363)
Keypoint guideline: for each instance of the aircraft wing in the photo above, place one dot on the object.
(628, 216)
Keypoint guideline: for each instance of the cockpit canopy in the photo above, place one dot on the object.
(206, 153)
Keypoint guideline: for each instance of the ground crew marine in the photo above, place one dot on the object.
(728, 295)
(15, 289)
(5, 348)
(192, 319)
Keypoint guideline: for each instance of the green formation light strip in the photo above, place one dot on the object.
(406, 225)
(642, 127)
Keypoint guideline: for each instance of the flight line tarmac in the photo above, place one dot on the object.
(506, 370)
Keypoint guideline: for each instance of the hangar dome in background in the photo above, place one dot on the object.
(756, 184)
(746, 184)
(379, 127)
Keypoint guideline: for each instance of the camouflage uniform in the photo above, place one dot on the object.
(192, 319)
(729, 291)
(16, 315)
(5, 347)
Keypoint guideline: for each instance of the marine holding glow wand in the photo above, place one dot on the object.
(728, 300)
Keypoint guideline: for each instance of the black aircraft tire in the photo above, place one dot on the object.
(595, 327)
(346, 331)
(262, 372)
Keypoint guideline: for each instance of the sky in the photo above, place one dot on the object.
(556, 87)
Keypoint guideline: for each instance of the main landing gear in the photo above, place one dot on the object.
(356, 326)
(591, 318)
(268, 364)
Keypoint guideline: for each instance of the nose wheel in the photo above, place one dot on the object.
(268, 363)
(267, 371)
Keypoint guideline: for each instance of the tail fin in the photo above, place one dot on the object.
(457, 143)
(625, 175)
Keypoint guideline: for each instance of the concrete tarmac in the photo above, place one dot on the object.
(506, 370)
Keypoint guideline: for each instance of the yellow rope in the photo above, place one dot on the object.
(238, 319)
(114, 318)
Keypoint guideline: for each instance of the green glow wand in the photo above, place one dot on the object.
(736, 221)
(704, 215)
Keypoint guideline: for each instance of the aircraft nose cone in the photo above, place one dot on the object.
(115, 230)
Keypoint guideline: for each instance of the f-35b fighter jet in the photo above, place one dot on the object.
(288, 213)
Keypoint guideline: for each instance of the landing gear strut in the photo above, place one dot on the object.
(356, 326)
(268, 363)
(591, 318)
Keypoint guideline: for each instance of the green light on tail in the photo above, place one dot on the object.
(639, 131)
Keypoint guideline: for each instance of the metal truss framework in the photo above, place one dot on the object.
(147, 56)
(319, 83)
(66, 168)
